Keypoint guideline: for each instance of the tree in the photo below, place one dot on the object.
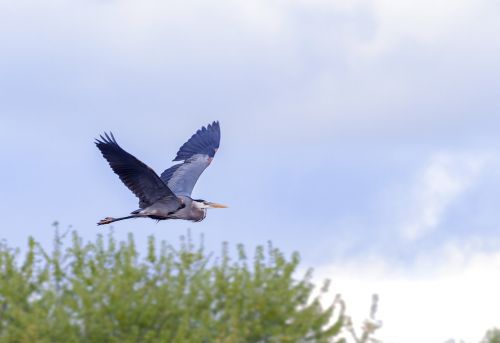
(492, 336)
(104, 291)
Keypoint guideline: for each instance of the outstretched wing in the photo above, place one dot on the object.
(136, 175)
(197, 154)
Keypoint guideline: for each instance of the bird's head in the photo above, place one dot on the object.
(203, 204)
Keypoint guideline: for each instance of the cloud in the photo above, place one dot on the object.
(426, 22)
(323, 92)
(438, 185)
(450, 293)
(351, 67)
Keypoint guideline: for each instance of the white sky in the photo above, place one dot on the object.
(448, 294)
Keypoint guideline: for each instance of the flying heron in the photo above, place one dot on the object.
(167, 196)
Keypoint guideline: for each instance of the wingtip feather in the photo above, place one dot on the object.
(106, 138)
(205, 140)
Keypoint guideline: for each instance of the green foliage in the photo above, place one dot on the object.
(492, 336)
(103, 291)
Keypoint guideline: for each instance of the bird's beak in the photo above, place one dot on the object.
(215, 205)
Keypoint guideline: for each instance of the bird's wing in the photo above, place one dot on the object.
(136, 175)
(197, 154)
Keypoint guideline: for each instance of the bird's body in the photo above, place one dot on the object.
(189, 209)
(168, 196)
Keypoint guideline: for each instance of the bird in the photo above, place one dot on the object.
(167, 196)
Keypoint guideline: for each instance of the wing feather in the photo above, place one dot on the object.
(205, 141)
(197, 154)
(136, 175)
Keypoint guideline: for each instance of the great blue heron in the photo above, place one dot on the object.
(167, 196)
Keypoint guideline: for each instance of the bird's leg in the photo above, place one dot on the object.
(109, 220)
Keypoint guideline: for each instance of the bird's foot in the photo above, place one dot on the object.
(106, 220)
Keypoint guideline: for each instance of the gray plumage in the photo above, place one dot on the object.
(197, 154)
(168, 196)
